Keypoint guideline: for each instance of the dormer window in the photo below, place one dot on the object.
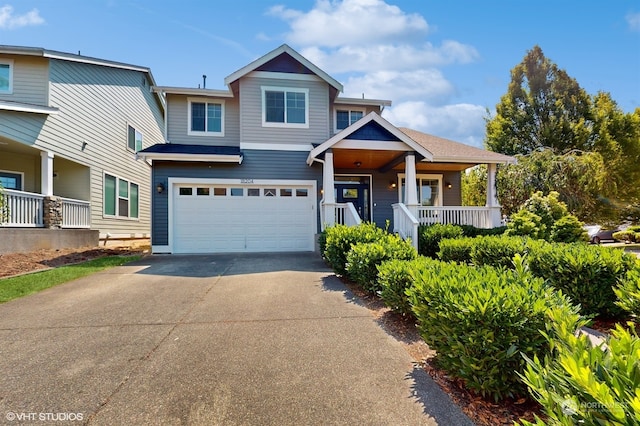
(206, 117)
(285, 107)
(6, 77)
(346, 117)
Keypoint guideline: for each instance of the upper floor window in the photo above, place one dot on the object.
(6, 76)
(285, 107)
(134, 139)
(206, 118)
(345, 118)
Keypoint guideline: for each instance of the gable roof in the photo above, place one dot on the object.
(448, 151)
(372, 117)
(284, 49)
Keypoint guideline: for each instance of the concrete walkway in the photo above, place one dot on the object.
(224, 339)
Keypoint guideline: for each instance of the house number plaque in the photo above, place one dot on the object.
(246, 180)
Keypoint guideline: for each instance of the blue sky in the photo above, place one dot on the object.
(443, 64)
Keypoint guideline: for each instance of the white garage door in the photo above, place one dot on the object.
(222, 218)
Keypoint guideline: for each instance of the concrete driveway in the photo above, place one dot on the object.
(223, 339)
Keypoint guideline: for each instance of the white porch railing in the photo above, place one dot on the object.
(24, 209)
(75, 213)
(339, 213)
(405, 223)
(480, 217)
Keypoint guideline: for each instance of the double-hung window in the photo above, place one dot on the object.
(206, 117)
(121, 197)
(285, 107)
(6, 76)
(346, 117)
(134, 139)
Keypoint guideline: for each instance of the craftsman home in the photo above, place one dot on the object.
(70, 127)
(268, 162)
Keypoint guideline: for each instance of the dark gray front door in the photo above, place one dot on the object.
(356, 193)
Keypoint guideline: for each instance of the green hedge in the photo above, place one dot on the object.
(456, 249)
(579, 383)
(498, 251)
(394, 278)
(364, 258)
(629, 235)
(628, 292)
(340, 238)
(429, 237)
(587, 274)
(472, 231)
(479, 320)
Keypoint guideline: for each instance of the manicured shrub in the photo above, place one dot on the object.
(578, 383)
(480, 320)
(364, 258)
(456, 249)
(340, 238)
(429, 237)
(497, 250)
(394, 278)
(626, 236)
(568, 229)
(628, 292)
(472, 231)
(322, 242)
(525, 223)
(587, 274)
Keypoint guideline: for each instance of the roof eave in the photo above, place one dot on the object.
(362, 101)
(192, 91)
(211, 158)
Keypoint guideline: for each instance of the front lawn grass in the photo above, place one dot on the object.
(12, 288)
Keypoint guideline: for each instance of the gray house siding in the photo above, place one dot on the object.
(30, 80)
(178, 122)
(251, 127)
(257, 164)
(23, 127)
(96, 105)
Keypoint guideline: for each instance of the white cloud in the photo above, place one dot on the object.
(9, 21)
(424, 84)
(355, 22)
(459, 122)
(633, 19)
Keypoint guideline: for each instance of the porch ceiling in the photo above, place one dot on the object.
(7, 145)
(376, 159)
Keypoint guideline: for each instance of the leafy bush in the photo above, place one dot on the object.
(340, 239)
(4, 206)
(568, 229)
(479, 320)
(546, 218)
(394, 278)
(429, 237)
(578, 383)
(628, 292)
(587, 274)
(364, 258)
(626, 236)
(322, 242)
(456, 249)
(472, 231)
(497, 251)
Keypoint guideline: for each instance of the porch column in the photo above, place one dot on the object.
(329, 198)
(46, 173)
(492, 197)
(410, 189)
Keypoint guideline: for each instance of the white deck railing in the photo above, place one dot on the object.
(480, 217)
(23, 209)
(75, 213)
(339, 213)
(405, 224)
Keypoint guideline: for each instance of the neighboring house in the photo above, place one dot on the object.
(70, 127)
(267, 163)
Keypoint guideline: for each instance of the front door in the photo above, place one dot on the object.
(356, 193)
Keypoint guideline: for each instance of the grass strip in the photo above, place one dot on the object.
(12, 288)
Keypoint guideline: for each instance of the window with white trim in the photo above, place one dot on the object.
(285, 107)
(429, 188)
(206, 118)
(121, 197)
(346, 117)
(6, 76)
(134, 139)
(12, 180)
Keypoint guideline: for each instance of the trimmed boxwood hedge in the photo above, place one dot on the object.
(340, 238)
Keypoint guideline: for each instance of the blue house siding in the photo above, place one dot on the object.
(257, 164)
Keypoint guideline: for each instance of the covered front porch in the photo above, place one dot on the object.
(42, 190)
(373, 171)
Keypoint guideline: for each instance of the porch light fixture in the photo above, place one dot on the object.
(449, 185)
(392, 184)
(160, 188)
(358, 164)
